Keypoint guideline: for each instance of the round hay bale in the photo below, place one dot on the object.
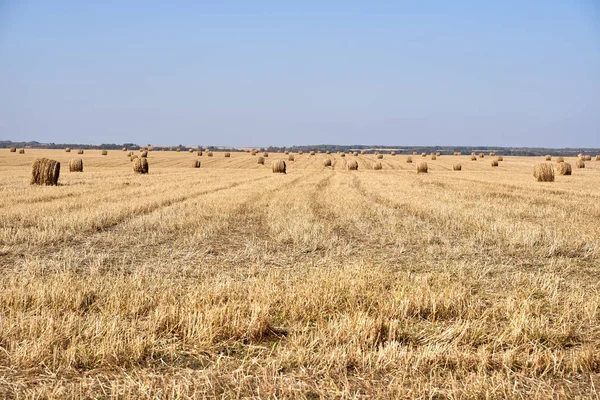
(287, 152)
(481, 155)
(548, 157)
(414, 153)
(598, 158)
(327, 152)
(362, 152)
(124, 149)
(21, 151)
(199, 152)
(209, 154)
(492, 154)
(438, 154)
(13, 149)
(265, 155)
(499, 158)
(291, 157)
(544, 172)
(196, 164)
(580, 156)
(352, 165)
(68, 150)
(343, 155)
(355, 154)
(559, 159)
(564, 168)
(76, 165)
(457, 167)
(178, 150)
(45, 172)
(409, 160)
(422, 168)
(80, 151)
(473, 158)
(457, 153)
(380, 156)
(423, 154)
(327, 162)
(150, 148)
(433, 157)
(299, 151)
(254, 152)
(190, 150)
(140, 165)
(144, 154)
(377, 166)
(261, 160)
(588, 157)
(393, 153)
(133, 157)
(227, 155)
(580, 164)
(279, 167)
(312, 153)
(104, 152)
(494, 163)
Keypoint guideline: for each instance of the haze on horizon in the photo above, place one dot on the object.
(239, 74)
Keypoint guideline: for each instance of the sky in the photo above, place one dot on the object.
(260, 73)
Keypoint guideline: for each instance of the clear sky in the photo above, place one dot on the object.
(259, 73)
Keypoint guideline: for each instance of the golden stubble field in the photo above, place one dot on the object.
(230, 281)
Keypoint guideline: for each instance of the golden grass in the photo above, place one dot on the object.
(234, 282)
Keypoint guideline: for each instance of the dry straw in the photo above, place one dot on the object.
(362, 152)
(377, 166)
(196, 164)
(580, 164)
(104, 152)
(544, 172)
(414, 153)
(227, 155)
(140, 165)
(548, 157)
(291, 157)
(261, 160)
(379, 156)
(457, 167)
(494, 163)
(68, 150)
(76, 165)
(352, 165)
(564, 168)
(80, 151)
(409, 160)
(492, 154)
(279, 166)
(327, 162)
(422, 168)
(598, 158)
(13, 149)
(129, 153)
(45, 172)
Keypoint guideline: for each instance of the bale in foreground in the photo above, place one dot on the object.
(327, 162)
(76, 165)
(45, 172)
(544, 172)
(13, 149)
(352, 165)
(261, 160)
(279, 166)
(227, 155)
(457, 167)
(140, 165)
(564, 168)
(422, 168)
(196, 164)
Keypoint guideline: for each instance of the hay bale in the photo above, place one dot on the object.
(437, 154)
(196, 164)
(209, 154)
(80, 151)
(68, 150)
(278, 167)
(312, 153)
(178, 150)
(352, 165)
(377, 166)
(140, 165)
(544, 172)
(457, 167)
(598, 158)
(499, 158)
(265, 155)
(199, 152)
(133, 157)
(13, 149)
(423, 154)
(481, 155)
(104, 152)
(150, 148)
(327, 162)
(21, 151)
(261, 160)
(291, 157)
(588, 157)
(580, 164)
(318, 151)
(580, 156)
(45, 172)
(548, 157)
(343, 155)
(227, 155)
(564, 168)
(190, 150)
(144, 154)
(393, 153)
(76, 165)
(327, 152)
(355, 154)
(379, 156)
(559, 159)
(299, 151)
(473, 158)
(409, 160)
(362, 152)
(457, 153)
(494, 163)
(433, 157)
(492, 154)
(414, 153)
(124, 149)
(422, 168)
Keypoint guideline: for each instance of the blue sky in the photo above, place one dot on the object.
(240, 73)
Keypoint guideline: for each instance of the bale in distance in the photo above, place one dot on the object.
(133, 157)
(68, 150)
(492, 154)
(499, 158)
(473, 158)
(45, 172)
(265, 154)
(580, 164)
(327, 152)
(377, 166)
(144, 154)
(21, 151)
(362, 152)
(423, 154)
(196, 164)
(559, 159)
(261, 160)
(438, 154)
(481, 155)
(544, 172)
(312, 153)
(104, 152)
(433, 157)
(327, 162)
(300, 152)
(409, 160)
(422, 168)
(598, 158)
(227, 155)
(76, 165)
(457, 167)
(13, 149)
(291, 157)
(209, 154)
(190, 150)
(588, 157)
(343, 155)
(580, 156)
(178, 150)
(494, 163)
(414, 153)
(393, 153)
(140, 165)
(352, 165)
(379, 156)
(124, 149)
(129, 153)
(80, 151)
(548, 157)
(199, 153)
(564, 168)
(279, 167)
